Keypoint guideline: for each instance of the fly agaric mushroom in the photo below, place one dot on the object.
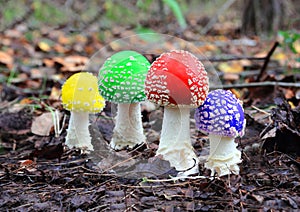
(178, 81)
(121, 80)
(80, 96)
(222, 117)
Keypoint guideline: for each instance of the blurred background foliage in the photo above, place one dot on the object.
(251, 17)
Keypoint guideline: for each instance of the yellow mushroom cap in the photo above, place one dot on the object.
(80, 93)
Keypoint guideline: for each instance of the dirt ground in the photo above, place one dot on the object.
(39, 173)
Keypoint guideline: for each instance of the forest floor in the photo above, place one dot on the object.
(38, 173)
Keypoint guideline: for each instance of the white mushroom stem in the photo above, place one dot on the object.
(223, 157)
(78, 134)
(128, 131)
(175, 142)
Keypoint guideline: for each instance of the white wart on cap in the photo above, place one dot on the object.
(221, 114)
(122, 77)
(177, 79)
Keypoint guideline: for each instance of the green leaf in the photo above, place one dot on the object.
(177, 12)
(147, 34)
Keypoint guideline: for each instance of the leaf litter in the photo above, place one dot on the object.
(37, 173)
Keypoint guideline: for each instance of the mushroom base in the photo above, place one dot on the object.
(128, 131)
(78, 134)
(175, 143)
(224, 157)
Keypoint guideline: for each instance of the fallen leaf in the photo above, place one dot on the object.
(245, 62)
(208, 47)
(280, 56)
(26, 101)
(44, 46)
(292, 104)
(60, 49)
(55, 93)
(258, 198)
(42, 124)
(296, 46)
(230, 77)
(26, 163)
(270, 134)
(73, 68)
(63, 40)
(48, 62)
(49, 152)
(231, 67)
(5, 58)
(36, 74)
(261, 54)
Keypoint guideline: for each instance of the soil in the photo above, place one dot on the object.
(49, 177)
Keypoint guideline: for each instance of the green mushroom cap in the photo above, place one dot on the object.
(122, 77)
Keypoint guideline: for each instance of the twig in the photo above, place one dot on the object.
(257, 84)
(264, 67)
(260, 110)
(230, 58)
(103, 207)
(145, 179)
(222, 58)
(120, 163)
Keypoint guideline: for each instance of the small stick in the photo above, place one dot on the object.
(260, 110)
(220, 59)
(175, 179)
(257, 84)
(120, 163)
(264, 67)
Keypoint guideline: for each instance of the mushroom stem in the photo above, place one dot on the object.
(128, 131)
(78, 131)
(223, 155)
(175, 142)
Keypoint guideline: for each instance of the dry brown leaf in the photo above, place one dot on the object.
(230, 77)
(60, 49)
(44, 46)
(34, 84)
(208, 48)
(77, 59)
(63, 40)
(59, 60)
(245, 62)
(73, 68)
(296, 46)
(271, 133)
(42, 124)
(48, 62)
(280, 57)
(261, 54)
(6, 58)
(36, 74)
(55, 93)
(231, 67)
(26, 101)
(80, 38)
(25, 163)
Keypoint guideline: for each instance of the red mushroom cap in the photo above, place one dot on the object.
(177, 78)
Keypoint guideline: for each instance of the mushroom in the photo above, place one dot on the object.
(80, 96)
(222, 117)
(178, 81)
(121, 81)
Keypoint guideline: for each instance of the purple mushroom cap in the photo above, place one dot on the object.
(221, 114)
